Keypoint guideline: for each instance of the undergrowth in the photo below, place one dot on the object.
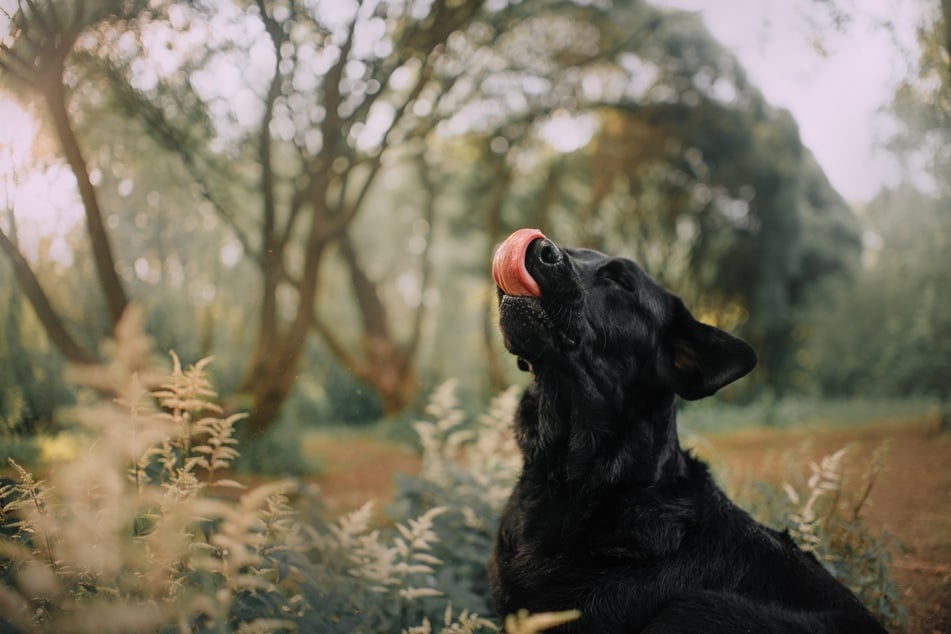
(822, 510)
(146, 531)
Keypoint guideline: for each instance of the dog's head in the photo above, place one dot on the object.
(579, 310)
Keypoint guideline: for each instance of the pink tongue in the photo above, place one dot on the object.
(508, 265)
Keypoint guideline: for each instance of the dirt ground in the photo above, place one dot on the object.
(911, 499)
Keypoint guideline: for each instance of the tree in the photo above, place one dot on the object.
(888, 332)
(287, 118)
(303, 209)
(37, 61)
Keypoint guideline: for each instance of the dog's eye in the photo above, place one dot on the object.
(616, 274)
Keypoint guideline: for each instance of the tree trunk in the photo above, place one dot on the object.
(115, 296)
(387, 367)
(275, 359)
(270, 379)
(391, 373)
(48, 42)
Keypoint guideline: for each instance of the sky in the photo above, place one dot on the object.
(835, 81)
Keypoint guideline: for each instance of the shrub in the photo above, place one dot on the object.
(144, 531)
(468, 470)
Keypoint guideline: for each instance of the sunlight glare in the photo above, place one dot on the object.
(567, 133)
(43, 198)
(16, 139)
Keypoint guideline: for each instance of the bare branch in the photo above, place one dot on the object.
(47, 315)
(15, 74)
(23, 65)
(342, 219)
(429, 215)
(298, 200)
(375, 323)
(271, 256)
(330, 127)
(37, 16)
(78, 15)
(501, 184)
(53, 16)
(178, 141)
(276, 34)
(115, 295)
(946, 14)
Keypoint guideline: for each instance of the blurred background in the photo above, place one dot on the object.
(310, 191)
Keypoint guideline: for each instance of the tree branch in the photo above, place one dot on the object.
(115, 295)
(271, 256)
(22, 72)
(179, 142)
(330, 127)
(38, 16)
(346, 214)
(298, 200)
(78, 15)
(49, 318)
(429, 215)
(368, 299)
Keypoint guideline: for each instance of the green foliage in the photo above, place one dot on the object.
(31, 383)
(19, 448)
(922, 101)
(888, 331)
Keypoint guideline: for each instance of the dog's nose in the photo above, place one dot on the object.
(543, 251)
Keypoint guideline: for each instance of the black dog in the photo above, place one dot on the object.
(610, 516)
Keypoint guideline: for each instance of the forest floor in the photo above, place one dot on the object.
(910, 500)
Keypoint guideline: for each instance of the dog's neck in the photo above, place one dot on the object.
(573, 431)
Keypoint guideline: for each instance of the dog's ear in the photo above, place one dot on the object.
(697, 359)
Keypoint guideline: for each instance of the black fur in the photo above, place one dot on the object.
(610, 516)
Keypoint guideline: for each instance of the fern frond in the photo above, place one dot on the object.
(525, 623)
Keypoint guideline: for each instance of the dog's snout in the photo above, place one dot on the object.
(543, 251)
(549, 253)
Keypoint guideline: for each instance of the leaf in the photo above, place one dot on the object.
(232, 484)
(427, 559)
(412, 594)
(791, 493)
(525, 623)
